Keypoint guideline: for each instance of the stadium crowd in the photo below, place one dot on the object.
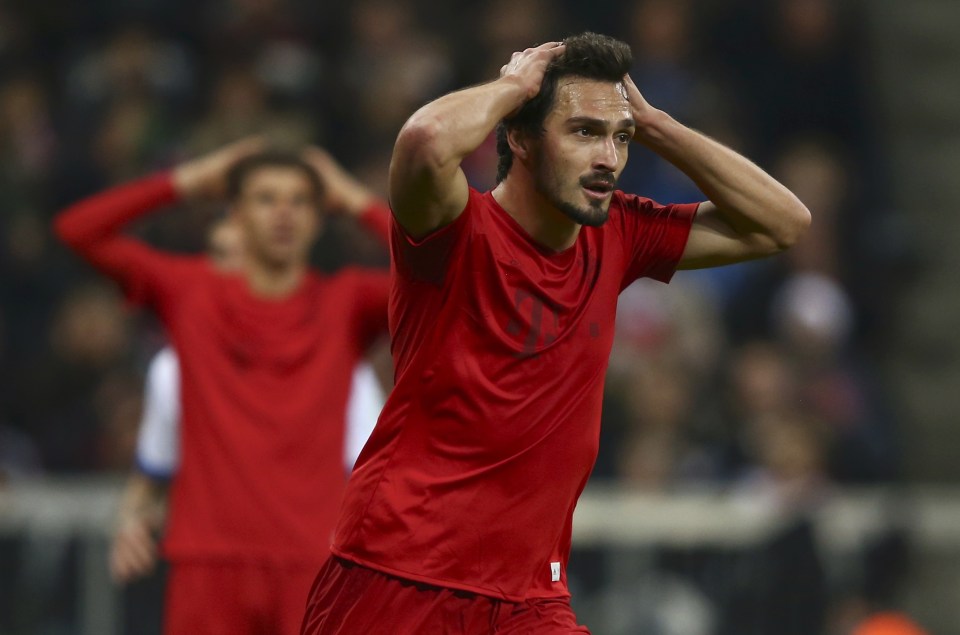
(759, 377)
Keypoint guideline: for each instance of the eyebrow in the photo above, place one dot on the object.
(600, 123)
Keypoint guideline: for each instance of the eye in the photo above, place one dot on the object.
(624, 137)
(582, 132)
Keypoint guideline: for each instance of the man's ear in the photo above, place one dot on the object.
(519, 143)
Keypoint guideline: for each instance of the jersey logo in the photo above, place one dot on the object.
(554, 571)
(544, 323)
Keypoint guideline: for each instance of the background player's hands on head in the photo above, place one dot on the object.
(205, 177)
(528, 67)
(133, 553)
(342, 193)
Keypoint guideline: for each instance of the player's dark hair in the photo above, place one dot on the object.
(239, 173)
(588, 55)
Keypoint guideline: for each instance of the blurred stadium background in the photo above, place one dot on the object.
(780, 444)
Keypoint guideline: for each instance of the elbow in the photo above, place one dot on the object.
(63, 229)
(69, 228)
(795, 220)
(420, 142)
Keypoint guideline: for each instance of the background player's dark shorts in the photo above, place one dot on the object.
(347, 599)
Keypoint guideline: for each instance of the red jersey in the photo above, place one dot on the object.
(471, 476)
(264, 385)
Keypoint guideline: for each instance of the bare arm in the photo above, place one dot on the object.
(749, 214)
(428, 189)
(344, 194)
(133, 552)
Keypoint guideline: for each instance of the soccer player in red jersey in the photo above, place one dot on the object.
(457, 519)
(265, 355)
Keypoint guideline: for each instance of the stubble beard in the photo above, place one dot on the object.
(590, 214)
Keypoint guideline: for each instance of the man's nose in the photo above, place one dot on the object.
(606, 156)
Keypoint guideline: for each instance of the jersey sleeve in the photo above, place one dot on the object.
(427, 259)
(654, 236)
(92, 227)
(371, 293)
(158, 441)
(375, 217)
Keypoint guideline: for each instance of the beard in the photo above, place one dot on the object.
(589, 213)
(593, 214)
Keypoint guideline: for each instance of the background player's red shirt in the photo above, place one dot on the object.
(472, 474)
(264, 385)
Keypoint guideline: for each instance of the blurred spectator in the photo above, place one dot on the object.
(132, 62)
(813, 317)
(387, 70)
(797, 60)
(240, 106)
(56, 401)
(658, 429)
(28, 142)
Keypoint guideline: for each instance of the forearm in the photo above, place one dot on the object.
(103, 215)
(747, 198)
(450, 128)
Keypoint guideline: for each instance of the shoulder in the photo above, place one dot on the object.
(631, 208)
(478, 206)
(427, 258)
(625, 203)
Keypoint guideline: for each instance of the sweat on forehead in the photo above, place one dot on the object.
(579, 94)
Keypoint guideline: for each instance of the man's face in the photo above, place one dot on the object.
(583, 149)
(277, 210)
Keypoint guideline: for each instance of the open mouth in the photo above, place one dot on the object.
(598, 190)
(598, 186)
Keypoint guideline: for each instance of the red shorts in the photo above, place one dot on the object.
(217, 598)
(348, 599)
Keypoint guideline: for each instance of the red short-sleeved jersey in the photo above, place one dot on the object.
(264, 385)
(470, 479)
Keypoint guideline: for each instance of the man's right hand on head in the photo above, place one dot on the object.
(528, 67)
(205, 177)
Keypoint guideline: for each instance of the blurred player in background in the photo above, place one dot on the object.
(142, 509)
(265, 355)
(457, 518)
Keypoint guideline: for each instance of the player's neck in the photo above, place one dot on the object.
(545, 224)
(273, 282)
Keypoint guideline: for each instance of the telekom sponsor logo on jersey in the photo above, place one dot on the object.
(544, 324)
